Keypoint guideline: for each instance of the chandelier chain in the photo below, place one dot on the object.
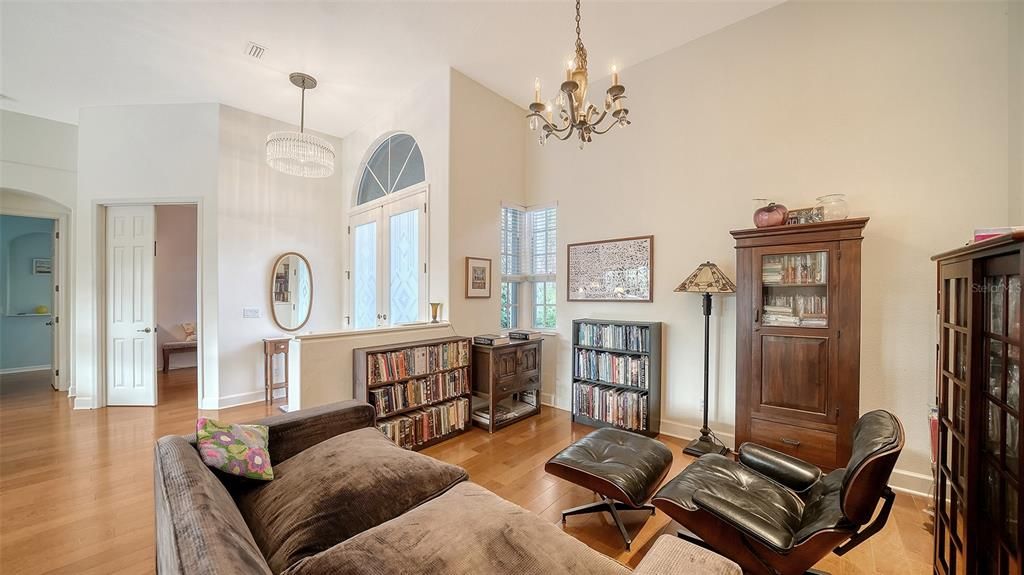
(581, 51)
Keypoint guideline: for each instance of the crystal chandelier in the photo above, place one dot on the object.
(573, 112)
(298, 153)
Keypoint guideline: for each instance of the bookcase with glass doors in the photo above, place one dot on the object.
(798, 338)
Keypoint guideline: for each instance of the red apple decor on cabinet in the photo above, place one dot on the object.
(771, 215)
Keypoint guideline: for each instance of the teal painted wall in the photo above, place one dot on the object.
(25, 341)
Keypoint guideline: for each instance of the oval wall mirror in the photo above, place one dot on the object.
(291, 291)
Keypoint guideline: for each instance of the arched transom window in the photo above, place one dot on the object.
(396, 164)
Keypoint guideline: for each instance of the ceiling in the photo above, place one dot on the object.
(59, 57)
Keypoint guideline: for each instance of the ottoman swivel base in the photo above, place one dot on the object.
(613, 507)
(624, 468)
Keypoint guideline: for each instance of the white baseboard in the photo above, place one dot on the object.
(688, 432)
(911, 482)
(240, 399)
(25, 369)
(548, 399)
(84, 403)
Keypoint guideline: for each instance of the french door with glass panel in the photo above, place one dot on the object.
(388, 278)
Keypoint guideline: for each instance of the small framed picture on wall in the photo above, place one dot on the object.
(478, 277)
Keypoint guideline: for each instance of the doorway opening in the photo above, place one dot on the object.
(29, 355)
(152, 336)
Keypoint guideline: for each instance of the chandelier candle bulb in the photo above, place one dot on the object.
(615, 76)
(536, 90)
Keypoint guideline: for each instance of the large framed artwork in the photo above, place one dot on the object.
(478, 277)
(611, 270)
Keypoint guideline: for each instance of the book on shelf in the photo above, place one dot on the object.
(616, 406)
(419, 360)
(423, 425)
(491, 339)
(625, 337)
(507, 409)
(612, 368)
(524, 334)
(402, 395)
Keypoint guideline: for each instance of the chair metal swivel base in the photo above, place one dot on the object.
(613, 507)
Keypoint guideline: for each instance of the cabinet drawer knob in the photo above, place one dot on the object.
(789, 441)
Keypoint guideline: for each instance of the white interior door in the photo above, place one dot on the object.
(131, 333)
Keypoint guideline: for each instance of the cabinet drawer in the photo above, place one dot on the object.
(810, 445)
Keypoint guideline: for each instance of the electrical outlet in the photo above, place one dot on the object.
(251, 312)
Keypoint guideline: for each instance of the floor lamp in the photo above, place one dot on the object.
(706, 280)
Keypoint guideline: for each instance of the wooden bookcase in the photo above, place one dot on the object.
(364, 383)
(978, 468)
(649, 396)
(798, 338)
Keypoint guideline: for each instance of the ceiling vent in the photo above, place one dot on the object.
(254, 50)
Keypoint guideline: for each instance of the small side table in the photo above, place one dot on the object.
(272, 347)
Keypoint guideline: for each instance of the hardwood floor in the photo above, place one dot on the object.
(76, 490)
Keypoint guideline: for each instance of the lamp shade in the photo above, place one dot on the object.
(707, 278)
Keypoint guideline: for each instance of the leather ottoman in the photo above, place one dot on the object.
(624, 468)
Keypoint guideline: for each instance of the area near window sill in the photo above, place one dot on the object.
(374, 330)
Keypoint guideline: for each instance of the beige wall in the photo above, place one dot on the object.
(487, 168)
(1016, 102)
(903, 107)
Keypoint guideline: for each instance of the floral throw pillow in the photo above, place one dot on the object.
(235, 449)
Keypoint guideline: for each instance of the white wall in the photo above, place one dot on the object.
(38, 177)
(423, 113)
(174, 279)
(145, 154)
(903, 107)
(262, 214)
(248, 215)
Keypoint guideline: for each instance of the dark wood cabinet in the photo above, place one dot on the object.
(978, 465)
(507, 373)
(798, 338)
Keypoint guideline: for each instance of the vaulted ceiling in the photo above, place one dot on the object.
(59, 57)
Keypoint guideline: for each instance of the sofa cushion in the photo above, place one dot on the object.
(468, 530)
(198, 526)
(337, 489)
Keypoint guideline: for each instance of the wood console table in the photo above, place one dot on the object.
(272, 347)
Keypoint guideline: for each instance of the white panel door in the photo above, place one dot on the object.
(131, 333)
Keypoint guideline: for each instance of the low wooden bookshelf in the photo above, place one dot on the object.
(420, 390)
(622, 358)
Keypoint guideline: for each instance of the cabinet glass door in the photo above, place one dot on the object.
(953, 395)
(999, 486)
(794, 289)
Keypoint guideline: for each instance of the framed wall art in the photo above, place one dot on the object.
(478, 277)
(611, 270)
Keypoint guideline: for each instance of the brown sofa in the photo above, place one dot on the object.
(347, 500)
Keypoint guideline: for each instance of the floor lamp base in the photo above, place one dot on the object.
(704, 445)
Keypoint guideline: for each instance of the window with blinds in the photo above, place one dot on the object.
(528, 263)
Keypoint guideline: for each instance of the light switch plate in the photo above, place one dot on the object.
(251, 312)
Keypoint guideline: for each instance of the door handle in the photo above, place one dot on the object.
(49, 322)
(147, 330)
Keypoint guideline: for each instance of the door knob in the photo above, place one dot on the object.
(147, 330)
